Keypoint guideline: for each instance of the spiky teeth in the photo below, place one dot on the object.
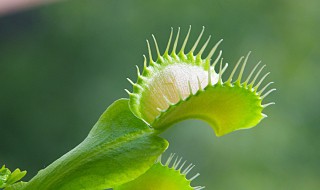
(181, 85)
(171, 174)
(171, 77)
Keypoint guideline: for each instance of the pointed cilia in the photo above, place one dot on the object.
(170, 175)
(178, 85)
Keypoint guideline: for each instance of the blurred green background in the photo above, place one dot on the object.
(62, 65)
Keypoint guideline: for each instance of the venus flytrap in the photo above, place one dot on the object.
(122, 148)
(180, 86)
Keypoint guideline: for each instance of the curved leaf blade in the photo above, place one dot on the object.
(105, 158)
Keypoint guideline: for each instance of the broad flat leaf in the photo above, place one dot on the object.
(119, 148)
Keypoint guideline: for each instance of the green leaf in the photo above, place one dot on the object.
(4, 175)
(168, 176)
(161, 177)
(119, 148)
(16, 175)
(7, 178)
